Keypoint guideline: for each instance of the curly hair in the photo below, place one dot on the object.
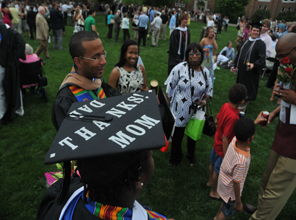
(244, 129)
(237, 93)
(105, 178)
(207, 31)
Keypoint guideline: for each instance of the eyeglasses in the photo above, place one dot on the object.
(284, 55)
(196, 53)
(104, 54)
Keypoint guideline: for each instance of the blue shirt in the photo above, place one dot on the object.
(281, 26)
(143, 20)
(229, 52)
(172, 21)
(151, 15)
(109, 18)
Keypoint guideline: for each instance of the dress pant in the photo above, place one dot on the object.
(176, 151)
(277, 184)
(155, 36)
(2, 93)
(126, 33)
(65, 17)
(57, 38)
(43, 46)
(109, 35)
(142, 34)
(32, 30)
(162, 31)
(116, 33)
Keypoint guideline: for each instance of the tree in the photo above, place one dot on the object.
(287, 16)
(259, 15)
(231, 9)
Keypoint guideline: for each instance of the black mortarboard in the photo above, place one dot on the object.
(168, 118)
(256, 25)
(110, 126)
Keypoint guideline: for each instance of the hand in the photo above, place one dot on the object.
(260, 119)
(288, 95)
(251, 66)
(202, 103)
(231, 69)
(238, 206)
(206, 49)
(271, 117)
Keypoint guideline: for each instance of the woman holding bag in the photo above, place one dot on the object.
(78, 20)
(189, 86)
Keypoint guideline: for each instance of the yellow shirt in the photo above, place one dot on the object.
(15, 14)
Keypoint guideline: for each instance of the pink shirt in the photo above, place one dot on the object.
(31, 58)
(268, 43)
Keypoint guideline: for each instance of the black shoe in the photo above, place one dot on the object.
(191, 161)
(249, 208)
(152, 45)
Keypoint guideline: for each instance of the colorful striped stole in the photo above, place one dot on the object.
(108, 212)
(84, 95)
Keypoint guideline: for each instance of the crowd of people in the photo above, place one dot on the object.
(189, 87)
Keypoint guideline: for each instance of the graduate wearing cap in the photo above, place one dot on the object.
(250, 63)
(112, 140)
(85, 81)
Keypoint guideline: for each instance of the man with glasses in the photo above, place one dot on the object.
(85, 80)
(279, 178)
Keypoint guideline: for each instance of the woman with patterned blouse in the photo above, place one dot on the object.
(128, 76)
(187, 83)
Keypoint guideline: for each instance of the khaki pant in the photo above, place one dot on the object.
(277, 184)
(162, 31)
(155, 36)
(43, 46)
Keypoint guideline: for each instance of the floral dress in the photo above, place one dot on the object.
(208, 61)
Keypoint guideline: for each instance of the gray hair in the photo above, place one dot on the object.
(40, 8)
(29, 49)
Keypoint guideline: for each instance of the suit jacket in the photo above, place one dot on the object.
(31, 18)
(117, 21)
(56, 19)
(84, 14)
(41, 27)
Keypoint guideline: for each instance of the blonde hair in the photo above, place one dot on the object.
(207, 31)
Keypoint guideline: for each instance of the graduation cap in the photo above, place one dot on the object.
(256, 25)
(110, 126)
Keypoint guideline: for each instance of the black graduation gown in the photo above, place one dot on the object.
(65, 99)
(12, 47)
(50, 209)
(251, 78)
(174, 58)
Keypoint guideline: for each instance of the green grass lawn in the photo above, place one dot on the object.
(179, 193)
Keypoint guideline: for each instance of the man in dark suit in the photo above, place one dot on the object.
(31, 19)
(117, 22)
(85, 11)
(56, 21)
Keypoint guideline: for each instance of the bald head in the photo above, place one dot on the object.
(286, 47)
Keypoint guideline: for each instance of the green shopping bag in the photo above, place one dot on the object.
(195, 125)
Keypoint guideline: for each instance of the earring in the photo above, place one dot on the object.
(142, 184)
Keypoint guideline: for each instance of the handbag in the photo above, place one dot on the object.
(112, 21)
(80, 22)
(195, 126)
(209, 126)
(237, 27)
(10, 16)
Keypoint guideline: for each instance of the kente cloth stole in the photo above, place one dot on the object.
(84, 95)
(108, 212)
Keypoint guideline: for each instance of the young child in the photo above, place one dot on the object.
(226, 119)
(234, 168)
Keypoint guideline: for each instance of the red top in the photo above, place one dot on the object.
(6, 19)
(227, 118)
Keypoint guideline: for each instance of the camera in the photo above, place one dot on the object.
(195, 105)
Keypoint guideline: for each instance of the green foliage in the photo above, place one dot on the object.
(179, 193)
(231, 9)
(287, 16)
(260, 14)
(134, 2)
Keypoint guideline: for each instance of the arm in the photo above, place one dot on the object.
(93, 28)
(238, 206)
(215, 44)
(145, 87)
(81, 16)
(225, 144)
(113, 78)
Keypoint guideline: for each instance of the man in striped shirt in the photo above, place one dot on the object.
(234, 168)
